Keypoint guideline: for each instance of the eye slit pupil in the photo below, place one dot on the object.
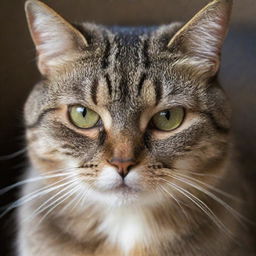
(166, 114)
(82, 110)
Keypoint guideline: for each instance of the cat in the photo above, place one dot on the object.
(130, 141)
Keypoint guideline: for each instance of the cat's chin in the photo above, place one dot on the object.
(115, 198)
(123, 196)
(120, 195)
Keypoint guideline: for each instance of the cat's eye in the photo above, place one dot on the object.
(83, 117)
(169, 119)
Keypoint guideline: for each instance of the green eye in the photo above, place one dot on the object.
(83, 117)
(169, 119)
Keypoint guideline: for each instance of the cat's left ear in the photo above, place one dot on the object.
(57, 41)
(198, 43)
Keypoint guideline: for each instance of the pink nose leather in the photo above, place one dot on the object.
(123, 165)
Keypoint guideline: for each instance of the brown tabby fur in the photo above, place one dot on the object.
(177, 202)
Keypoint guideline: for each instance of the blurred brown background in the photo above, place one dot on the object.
(18, 73)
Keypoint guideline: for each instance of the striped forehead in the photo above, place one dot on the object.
(126, 71)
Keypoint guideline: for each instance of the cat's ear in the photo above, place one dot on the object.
(57, 42)
(198, 43)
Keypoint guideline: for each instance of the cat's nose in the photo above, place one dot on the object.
(123, 165)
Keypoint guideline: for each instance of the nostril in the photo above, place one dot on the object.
(123, 165)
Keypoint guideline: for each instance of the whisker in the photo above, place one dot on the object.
(235, 213)
(20, 183)
(77, 198)
(51, 187)
(177, 201)
(197, 173)
(33, 195)
(58, 201)
(210, 187)
(13, 155)
(44, 206)
(84, 194)
(81, 195)
(201, 205)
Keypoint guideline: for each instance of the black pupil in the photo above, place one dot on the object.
(166, 114)
(82, 110)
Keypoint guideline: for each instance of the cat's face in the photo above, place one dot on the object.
(127, 112)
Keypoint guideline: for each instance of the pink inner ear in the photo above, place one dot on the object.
(55, 39)
(200, 41)
(31, 21)
(207, 33)
(209, 26)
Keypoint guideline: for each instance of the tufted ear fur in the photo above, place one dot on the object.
(56, 41)
(197, 45)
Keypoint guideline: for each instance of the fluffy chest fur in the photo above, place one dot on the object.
(134, 230)
(125, 228)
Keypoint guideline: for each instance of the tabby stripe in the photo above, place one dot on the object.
(108, 81)
(145, 54)
(102, 137)
(216, 125)
(70, 153)
(94, 90)
(117, 45)
(147, 140)
(141, 83)
(40, 118)
(68, 146)
(105, 61)
(158, 91)
(64, 132)
(124, 87)
(46, 160)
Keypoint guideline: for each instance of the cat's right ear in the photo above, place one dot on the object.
(197, 45)
(57, 41)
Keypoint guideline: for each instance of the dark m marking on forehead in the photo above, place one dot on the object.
(105, 61)
(94, 90)
(158, 90)
(145, 54)
(141, 83)
(108, 81)
(123, 87)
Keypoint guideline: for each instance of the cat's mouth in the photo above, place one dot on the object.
(124, 188)
(121, 188)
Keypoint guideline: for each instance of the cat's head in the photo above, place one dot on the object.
(128, 113)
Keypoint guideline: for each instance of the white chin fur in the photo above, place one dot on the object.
(109, 193)
(108, 182)
(108, 179)
(125, 227)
